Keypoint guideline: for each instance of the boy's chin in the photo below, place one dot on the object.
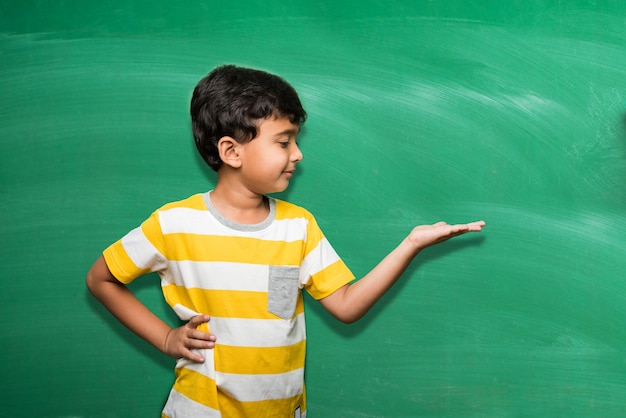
(279, 189)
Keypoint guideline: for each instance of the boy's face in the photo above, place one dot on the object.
(269, 160)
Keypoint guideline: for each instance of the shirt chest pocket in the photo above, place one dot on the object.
(282, 291)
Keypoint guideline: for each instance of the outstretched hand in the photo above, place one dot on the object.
(426, 235)
(352, 301)
(180, 341)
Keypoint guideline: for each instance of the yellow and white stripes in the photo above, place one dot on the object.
(247, 278)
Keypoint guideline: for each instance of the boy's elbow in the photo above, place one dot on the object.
(345, 313)
(91, 282)
(349, 317)
(97, 275)
(341, 306)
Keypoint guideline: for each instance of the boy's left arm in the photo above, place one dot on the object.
(352, 301)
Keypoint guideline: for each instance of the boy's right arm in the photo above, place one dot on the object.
(122, 303)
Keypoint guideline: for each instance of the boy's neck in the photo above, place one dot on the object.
(242, 207)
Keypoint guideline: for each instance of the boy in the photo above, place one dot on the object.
(242, 257)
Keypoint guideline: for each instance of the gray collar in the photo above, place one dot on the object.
(241, 227)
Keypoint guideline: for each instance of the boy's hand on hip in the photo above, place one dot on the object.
(426, 235)
(180, 341)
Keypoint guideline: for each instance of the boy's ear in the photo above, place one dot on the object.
(229, 151)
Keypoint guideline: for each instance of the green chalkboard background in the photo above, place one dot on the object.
(419, 111)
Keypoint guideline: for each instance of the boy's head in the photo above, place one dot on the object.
(231, 101)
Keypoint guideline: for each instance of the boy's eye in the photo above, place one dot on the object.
(284, 144)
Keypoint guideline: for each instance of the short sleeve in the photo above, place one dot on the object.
(322, 271)
(139, 252)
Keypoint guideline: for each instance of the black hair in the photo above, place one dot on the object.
(231, 100)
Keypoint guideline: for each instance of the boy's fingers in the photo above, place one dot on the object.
(472, 226)
(197, 320)
(200, 335)
(190, 355)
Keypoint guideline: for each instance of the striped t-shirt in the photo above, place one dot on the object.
(248, 278)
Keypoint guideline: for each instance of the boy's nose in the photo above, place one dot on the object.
(296, 155)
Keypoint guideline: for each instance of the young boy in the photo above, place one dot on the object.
(242, 257)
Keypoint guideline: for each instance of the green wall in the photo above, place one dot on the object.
(513, 112)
